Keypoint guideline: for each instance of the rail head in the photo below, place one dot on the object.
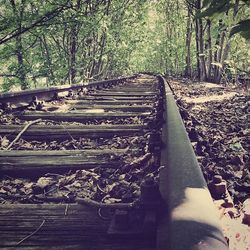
(191, 221)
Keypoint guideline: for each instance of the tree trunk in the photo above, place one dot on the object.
(21, 72)
(94, 51)
(201, 66)
(49, 61)
(73, 50)
(21, 68)
(98, 68)
(188, 68)
(218, 69)
(228, 43)
(222, 50)
(218, 54)
(209, 49)
(73, 47)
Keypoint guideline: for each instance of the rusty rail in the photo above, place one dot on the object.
(190, 220)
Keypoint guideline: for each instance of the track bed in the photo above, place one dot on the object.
(100, 166)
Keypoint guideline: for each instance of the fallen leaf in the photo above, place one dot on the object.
(4, 142)
(44, 182)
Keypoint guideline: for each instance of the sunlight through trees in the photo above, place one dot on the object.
(70, 41)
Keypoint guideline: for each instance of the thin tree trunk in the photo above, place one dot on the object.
(94, 51)
(73, 55)
(49, 60)
(102, 47)
(202, 54)
(209, 48)
(73, 47)
(201, 66)
(188, 68)
(216, 52)
(19, 46)
(218, 70)
(197, 49)
(21, 67)
(228, 43)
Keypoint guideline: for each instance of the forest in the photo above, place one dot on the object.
(45, 43)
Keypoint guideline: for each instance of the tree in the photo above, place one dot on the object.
(70, 41)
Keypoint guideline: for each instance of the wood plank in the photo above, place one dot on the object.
(64, 132)
(122, 94)
(37, 162)
(83, 153)
(136, 89)
(79, 228)
(108, 101)
(79, 117)
(31, 168)
(140, 83)
(115, 97)
(127, 108)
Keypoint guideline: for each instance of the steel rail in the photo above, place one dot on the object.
(49, 92)
(190, 220)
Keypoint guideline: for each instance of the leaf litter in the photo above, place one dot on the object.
(104, 185)
(216, 121)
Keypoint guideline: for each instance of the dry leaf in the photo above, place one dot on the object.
(44, 182)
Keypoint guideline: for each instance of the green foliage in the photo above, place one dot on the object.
(70, 41)
(93, 39)
(214, 8)
(243, 28)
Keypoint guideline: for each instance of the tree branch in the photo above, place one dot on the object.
(48, 16)
(8, 75)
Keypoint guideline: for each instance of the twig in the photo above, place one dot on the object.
(52, 174)
(52, 198)
(66, 210)
(20, 134)
(137, 162)
(27, 237)
(92, 203)
(68, 132)
(37, 197)
(98, 187)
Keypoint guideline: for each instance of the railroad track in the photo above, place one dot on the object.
(107, 165)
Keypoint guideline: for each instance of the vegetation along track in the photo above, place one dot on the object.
(107, 165)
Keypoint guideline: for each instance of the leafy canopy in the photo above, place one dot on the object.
(213, 8)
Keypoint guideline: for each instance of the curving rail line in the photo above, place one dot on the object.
(176, 212)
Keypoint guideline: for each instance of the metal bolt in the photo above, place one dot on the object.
(217, 179)
(218, 186)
